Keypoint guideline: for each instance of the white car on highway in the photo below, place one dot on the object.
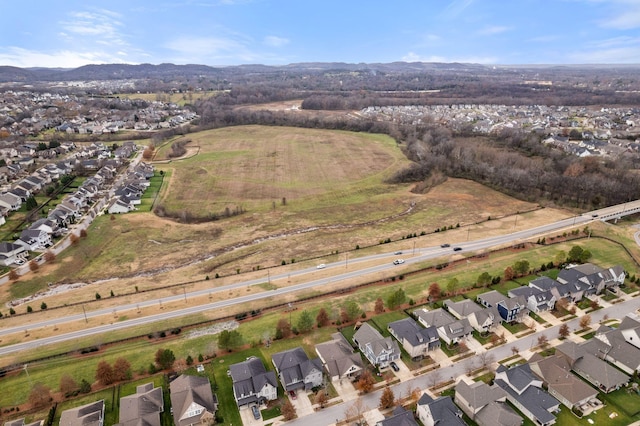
(398, 261)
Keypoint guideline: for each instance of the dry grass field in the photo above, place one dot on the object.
(336, 199)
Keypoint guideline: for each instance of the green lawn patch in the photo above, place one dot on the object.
(538, 318)
(483, 338)
(382, 321)
(227, 408)
(271, 412)
(515, 327)
(625, 399)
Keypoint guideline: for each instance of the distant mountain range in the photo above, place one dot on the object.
(170, 71)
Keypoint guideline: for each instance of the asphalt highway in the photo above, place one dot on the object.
(386, 264)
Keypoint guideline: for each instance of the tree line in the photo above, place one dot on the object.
(514, 162)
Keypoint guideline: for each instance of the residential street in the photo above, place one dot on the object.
(335, 413)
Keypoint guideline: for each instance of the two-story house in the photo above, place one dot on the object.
(511, 309)
(339, 359)
(380, 351)
(252, 383)
(296, 371)
(415, 339)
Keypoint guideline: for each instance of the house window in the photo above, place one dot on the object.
(194, 412)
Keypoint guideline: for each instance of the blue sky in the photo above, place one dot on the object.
(71, 33)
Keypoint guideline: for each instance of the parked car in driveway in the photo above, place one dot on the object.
(394, 366)
(256, 412)
(292, 394)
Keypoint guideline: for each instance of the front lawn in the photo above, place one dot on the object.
(515, 328)
(227, 408)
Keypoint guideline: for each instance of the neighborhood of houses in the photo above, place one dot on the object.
(98, 192)
(26, 113)
(573, 375)
(580, 131)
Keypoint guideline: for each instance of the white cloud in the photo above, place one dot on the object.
(615, 50)
(207, 50)
(543, 39)
(414, 57)
(25, 58)
(275, 41)
(495, 29)
(620, 14)
(96, 26)
(455, 8)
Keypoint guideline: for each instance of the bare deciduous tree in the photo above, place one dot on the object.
(585, 321)
(387, 399)
(40, 396)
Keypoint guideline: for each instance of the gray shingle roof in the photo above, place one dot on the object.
(413, 333)
(438, 317)
(338, 355)
(443, 409)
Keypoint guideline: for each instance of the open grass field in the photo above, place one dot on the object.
(333, 182)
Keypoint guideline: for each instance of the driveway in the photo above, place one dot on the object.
(302, 404)
(247, 417)
(345, 389)
(404, 373)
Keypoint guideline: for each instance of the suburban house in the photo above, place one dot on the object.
(485, 404)
(591, 368)
(119, 205)
(380, 351)
(617, 345)
(510, 308)
(524, 391)
(572, 293)
(596, 278)
(449, 329)
(252, 383)
(537, 300)
(192, 401)
(440, 411)
(10, 253)
(87, 415)
(339, 359)
(481, 319)
(415, 339)
(555, 373)
(34, 239)
(296, 371)
(399, 417)
(143, 407)
(46, 225)
(10, 201)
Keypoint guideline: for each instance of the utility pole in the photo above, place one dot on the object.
(185, 294)
(85, 314)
